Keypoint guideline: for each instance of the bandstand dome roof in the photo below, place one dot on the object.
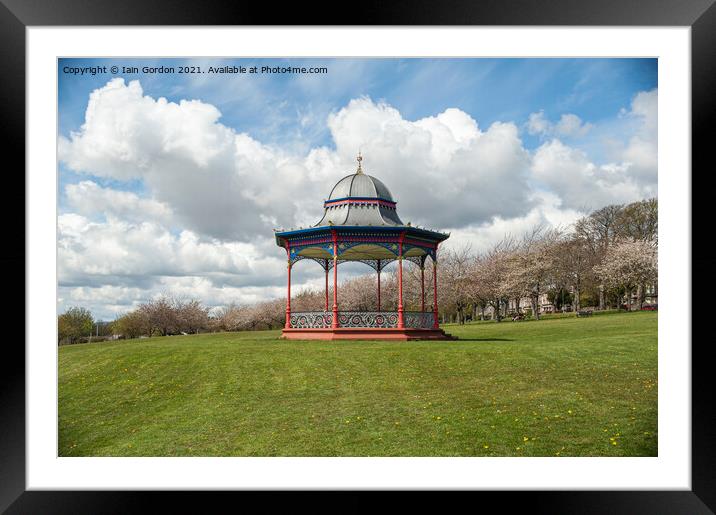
(360, 185)
(360, 199)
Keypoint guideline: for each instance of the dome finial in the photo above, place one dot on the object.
(359, 159)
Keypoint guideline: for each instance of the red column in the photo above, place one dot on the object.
(288, 296)
(422, 286)
(326, 285)
(334, 325)
(379, 287)
(401, 320)
(435, 290)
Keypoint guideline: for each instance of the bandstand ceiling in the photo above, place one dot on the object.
(359, 252)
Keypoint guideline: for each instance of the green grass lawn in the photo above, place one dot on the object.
(567, 387)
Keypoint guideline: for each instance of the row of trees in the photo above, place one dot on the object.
(164, 316)
(604, 258)
(160, 317)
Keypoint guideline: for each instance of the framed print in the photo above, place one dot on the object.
(501, 172)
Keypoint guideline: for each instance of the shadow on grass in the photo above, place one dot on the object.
(460, 339)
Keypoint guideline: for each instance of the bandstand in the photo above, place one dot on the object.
(360, 223)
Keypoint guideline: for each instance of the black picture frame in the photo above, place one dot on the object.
(17, 15)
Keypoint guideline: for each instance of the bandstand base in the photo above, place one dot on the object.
(366, 333)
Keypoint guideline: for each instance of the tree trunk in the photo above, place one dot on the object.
(535, 308)
(577, 305)
(601, 297)
(628, 293)
(640, 297)
(496, 310)
(482, 312)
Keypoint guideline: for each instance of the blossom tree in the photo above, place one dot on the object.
(488, 279)
(531, 267)
(628, 264)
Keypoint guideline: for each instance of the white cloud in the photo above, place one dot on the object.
(547, 212)
(569, 125)
(87, 198)
(578, 182)
(646, 105)
(642, 150)
(537, 123)
(122, 252)
(630, 173)
(184, 156)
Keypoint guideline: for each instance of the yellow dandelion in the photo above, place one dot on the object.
(524, 438)
(486, 446)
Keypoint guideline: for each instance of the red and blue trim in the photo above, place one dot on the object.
(362, 201)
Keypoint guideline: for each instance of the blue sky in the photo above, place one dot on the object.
(147, 184)
(488, 89)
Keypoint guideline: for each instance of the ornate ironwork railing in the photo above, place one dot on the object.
(357, 319)
(368, 319)
(311, 319)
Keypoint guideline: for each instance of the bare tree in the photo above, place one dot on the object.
(358, 294)
(454, 274)
(638, 221)
(573, 261)
(599, 229)
(131, 325)
(161, 315)
(309, 300)
(477, 287)
(192, 316)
